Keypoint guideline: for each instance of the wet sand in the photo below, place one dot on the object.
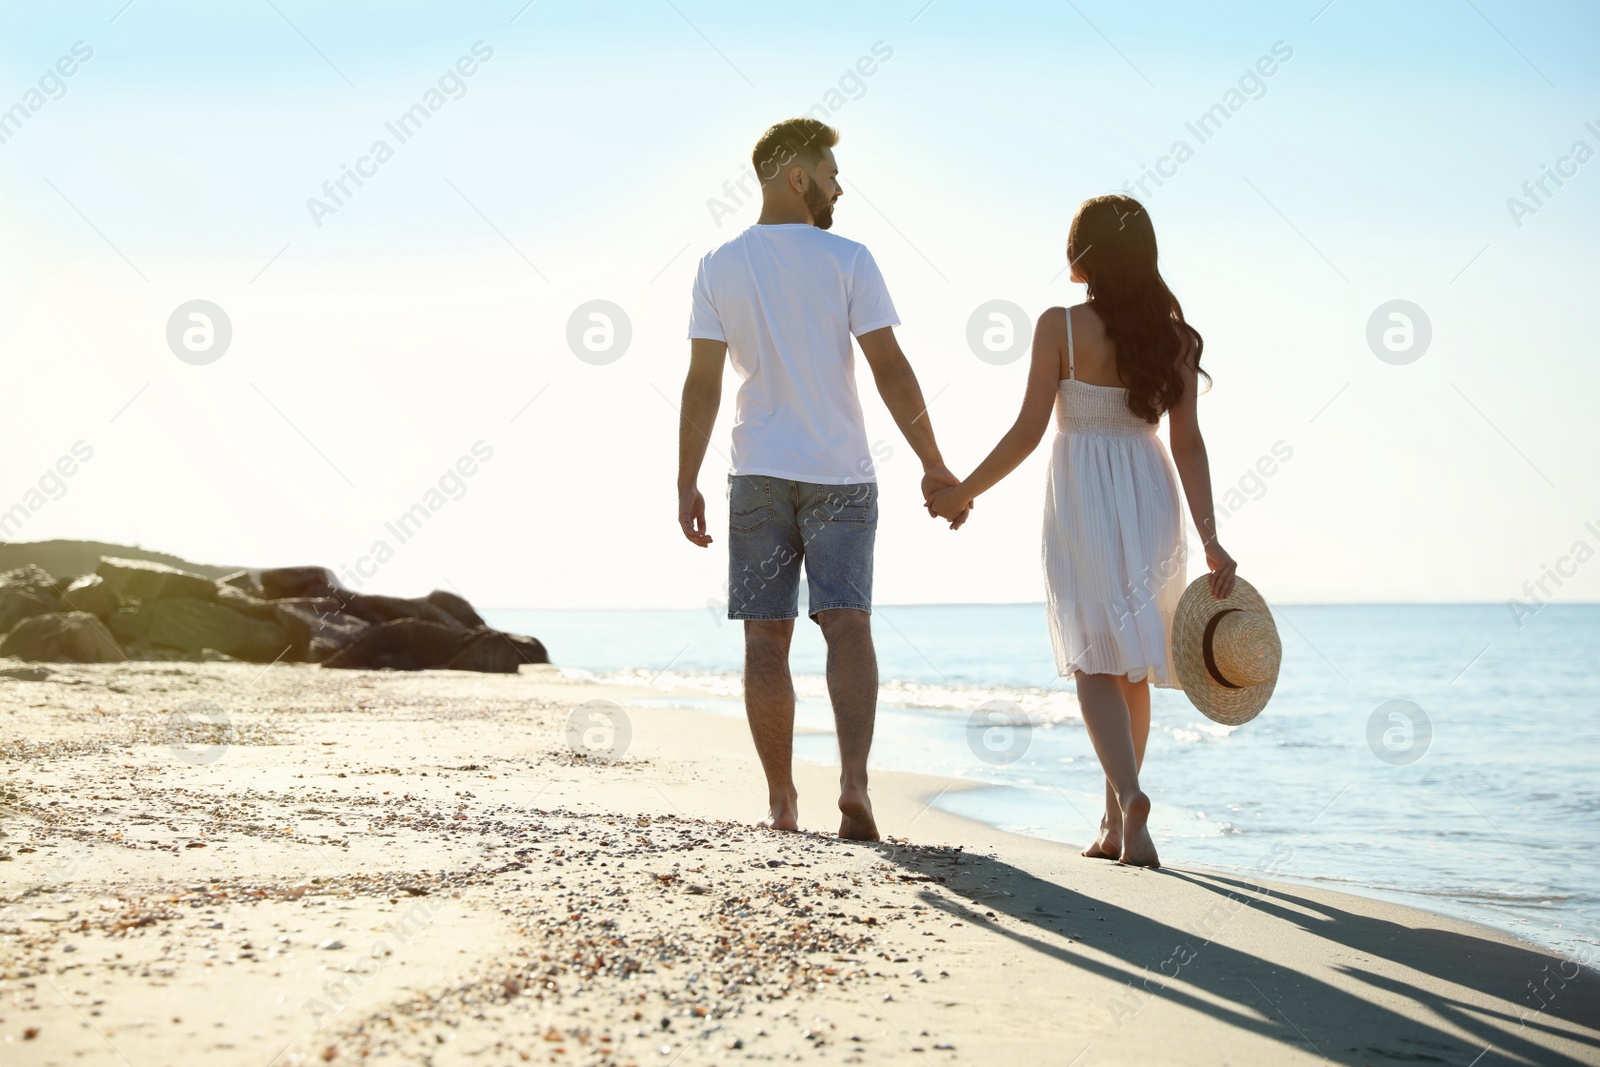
(225, 864)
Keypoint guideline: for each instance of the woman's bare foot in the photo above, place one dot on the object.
(1108, 846)
(856, 822)
(783, 814)
(1138, 850)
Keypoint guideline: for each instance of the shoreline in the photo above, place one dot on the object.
(682, 692)
(418, 865)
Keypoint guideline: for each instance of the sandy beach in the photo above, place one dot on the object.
(220, 863)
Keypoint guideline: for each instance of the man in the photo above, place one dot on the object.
(782, 300)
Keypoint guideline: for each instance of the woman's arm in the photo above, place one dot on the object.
(1044, 376)
(1194, 470)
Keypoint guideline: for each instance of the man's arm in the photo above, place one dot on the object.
(702, 395)
(897, 384)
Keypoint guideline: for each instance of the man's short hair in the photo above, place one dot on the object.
(801, 140)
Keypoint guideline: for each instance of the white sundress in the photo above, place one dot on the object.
(1114, 546)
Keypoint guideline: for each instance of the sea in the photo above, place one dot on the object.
(1438, 756)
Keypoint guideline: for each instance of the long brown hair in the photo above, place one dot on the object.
(1113, 245)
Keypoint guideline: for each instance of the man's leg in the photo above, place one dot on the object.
(764, 591)
(853, 688)
(839, 523)
(769, 705)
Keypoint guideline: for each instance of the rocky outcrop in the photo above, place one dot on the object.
(81, 557)
(191, 626)
(487, 650)
(401, 645)
(317, 627)
(26, 591)
(531, 649)
(93, 594)
(245, 604)
(134, 609)
(379, 609)
(241, 580)
(62, 637)
(458, 607)
(280, 582)
(136, 579)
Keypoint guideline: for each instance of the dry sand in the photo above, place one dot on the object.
(328, 866)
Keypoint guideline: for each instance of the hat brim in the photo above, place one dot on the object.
(1217, 702)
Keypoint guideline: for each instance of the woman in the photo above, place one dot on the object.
(1114, 549)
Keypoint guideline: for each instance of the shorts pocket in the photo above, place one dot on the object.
(850, 503)
(749, 503)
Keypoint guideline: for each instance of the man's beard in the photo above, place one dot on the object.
(820, 206)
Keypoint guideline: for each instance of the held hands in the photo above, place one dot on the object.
(942, 497)
(940, 492)
(950, 504)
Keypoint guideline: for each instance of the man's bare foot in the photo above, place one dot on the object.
(784, 814)
(856, 822)
(1108, 846)
(1138, 850)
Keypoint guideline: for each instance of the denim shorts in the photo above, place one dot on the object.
(775, 525)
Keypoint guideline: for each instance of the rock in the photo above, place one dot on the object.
(231, 596)
(242, 580)
(137, 579)
(26, 591)
(93, 594)
(337, 632)
(191, 626)
(321, 605)
(317, 627)
(379, 609)
(280, 582)
(17, 604)
(400, 644)
(487, 650)
(149, 610)
(130, 625)
(62, 637)
(457, 607)
(531, 649)
(25, 674)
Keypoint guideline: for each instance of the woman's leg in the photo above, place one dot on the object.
(1108, 845)
(1111, 729)
(1136, 695)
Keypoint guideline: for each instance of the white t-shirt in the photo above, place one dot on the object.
(787, 299)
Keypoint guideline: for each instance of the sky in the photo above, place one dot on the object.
(405, 341)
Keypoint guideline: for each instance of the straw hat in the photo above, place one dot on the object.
(1227, 651)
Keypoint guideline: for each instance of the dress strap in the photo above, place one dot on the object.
(1072, 364)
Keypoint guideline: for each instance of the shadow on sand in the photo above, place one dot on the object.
(1532, 1007)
